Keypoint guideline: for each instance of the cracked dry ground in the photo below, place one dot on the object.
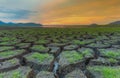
(60, 53)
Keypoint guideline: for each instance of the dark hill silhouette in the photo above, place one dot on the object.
(94, 25)
(19, 24)
(115, 23)
(1, 23)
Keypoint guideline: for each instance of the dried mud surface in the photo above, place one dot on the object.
(60, 54)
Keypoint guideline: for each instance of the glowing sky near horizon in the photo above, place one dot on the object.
(66, 12)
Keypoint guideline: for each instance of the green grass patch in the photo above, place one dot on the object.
(5, 48)
(111, 53)
(18, 73)
(8, 43)
(87, 53)
(39, 47)
(107, 72)
(39, 57)
(10, 53)
(13, 61)
(41, 41)
(72, 56)
(78, 42)
(112, 60)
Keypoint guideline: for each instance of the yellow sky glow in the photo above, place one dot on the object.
(79, 12)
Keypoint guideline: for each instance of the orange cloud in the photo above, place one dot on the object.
(80, 20)
(79, 12)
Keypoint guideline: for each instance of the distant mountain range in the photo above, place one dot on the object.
(18, 24)
(115, 23)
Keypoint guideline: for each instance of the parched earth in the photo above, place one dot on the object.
(60, 53)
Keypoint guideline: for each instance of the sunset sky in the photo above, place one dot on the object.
(55, 12)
